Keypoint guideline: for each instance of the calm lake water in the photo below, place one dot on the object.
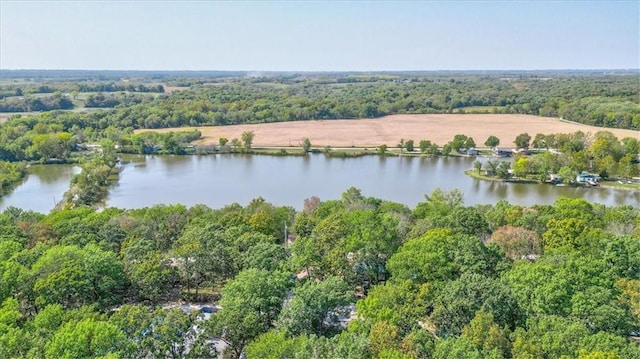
(43, 187)
(219, 180)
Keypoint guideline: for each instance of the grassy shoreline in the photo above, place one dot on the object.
(473, 173)
(635, 186)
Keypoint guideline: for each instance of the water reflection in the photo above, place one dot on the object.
(223, 179)
(43, 187)
(219, 180)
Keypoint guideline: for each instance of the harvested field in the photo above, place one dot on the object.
(390, 129)
(170, 89)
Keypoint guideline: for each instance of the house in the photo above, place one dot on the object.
(473, 152)
(587, 178)
(502, 152)
(554, 178)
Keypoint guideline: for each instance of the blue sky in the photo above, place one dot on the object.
(319, 35)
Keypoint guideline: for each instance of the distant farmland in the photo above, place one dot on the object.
(390, 129)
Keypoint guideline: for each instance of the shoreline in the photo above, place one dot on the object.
(604, 184)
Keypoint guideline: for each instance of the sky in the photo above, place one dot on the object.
(319, 35)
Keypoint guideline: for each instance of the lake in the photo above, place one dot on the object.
(42, 189)
(219, 180)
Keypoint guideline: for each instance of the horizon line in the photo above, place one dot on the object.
(326, 71)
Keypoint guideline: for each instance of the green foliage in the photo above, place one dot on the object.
(442, 280)
(52, 145)
(306, 144)
(28, 103)
(408, 145)
(344, 345)
(401, 303)
(274, 345)
(457, 303)
(352, 229)
(477, 165)
(250, 305)
(315, 308)
(10, 175)
(264, 255)
(439, 256)
(382, 150)
(521, 167)
(90, 186)
(566, 234)
(522, 140)
(456, 348)
(487, 336)
(439, 203)
(555, 337)
(74, 276)
(151, 276)
(502, 171)
(492, 141)
(87, 339)
(383, 337)
(247, 140)
(203, 256)
(165, 332)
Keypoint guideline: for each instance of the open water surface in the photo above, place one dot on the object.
(219, 180)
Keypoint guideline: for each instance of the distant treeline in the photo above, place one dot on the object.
(113, 100)
(21, 90)
(607, 100)
(36, 104)
(112, 87)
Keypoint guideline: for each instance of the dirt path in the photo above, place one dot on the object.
(390, 129)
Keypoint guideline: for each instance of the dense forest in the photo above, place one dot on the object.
(609, 100)
(357, 277)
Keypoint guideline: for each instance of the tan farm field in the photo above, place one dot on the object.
(390, 129)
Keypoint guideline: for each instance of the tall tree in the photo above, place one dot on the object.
(306, 144)
(477, 165)
(204, 255)
(522, 140)
(492, 141)
(440, 256)
(469, 143)
(540, 141)
(74, 276)
(408, 145)
(250, 304)
(247, 139)
(315, 308)
(88, 339)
